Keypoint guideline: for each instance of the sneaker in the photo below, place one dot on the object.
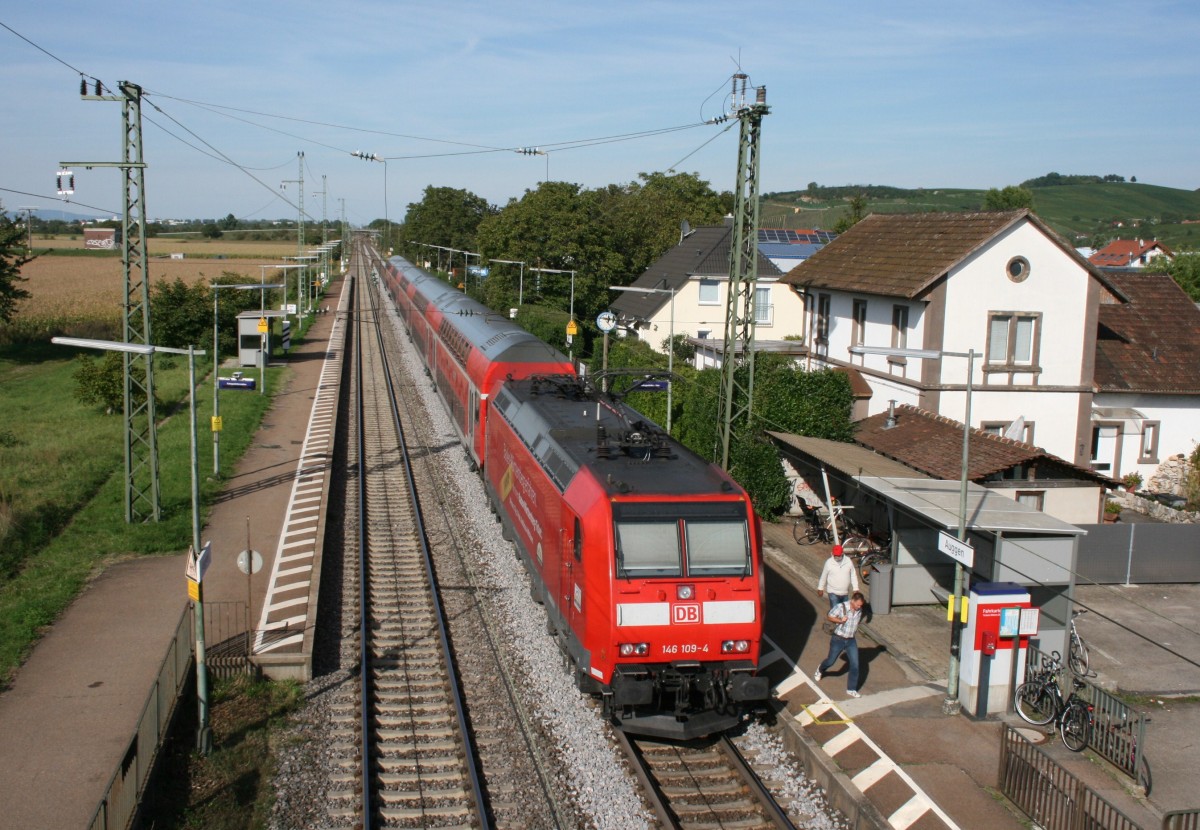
(817, 675)
(853, 693)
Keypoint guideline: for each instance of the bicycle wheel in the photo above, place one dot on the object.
(1077, 656)
(1035, 703)
(856, 545)
(798, 531)
(1143, 776)
(1075, 726)
(867, 566)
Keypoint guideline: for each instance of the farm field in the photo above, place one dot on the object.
(86, 288)
(197, 247)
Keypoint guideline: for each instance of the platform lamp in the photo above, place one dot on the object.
(951, 705)
(204, 734)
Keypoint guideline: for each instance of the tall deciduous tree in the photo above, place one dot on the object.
(1185, 270)
(12, 257)
(1012, 197)
(446, 216)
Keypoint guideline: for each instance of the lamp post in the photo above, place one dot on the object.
(387, 224)
(28, 227)
(951, 705)
(521, 278)
(303, 262)
(670, 340)
(203, 735)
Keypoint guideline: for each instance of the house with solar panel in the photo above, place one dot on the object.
(686, 290)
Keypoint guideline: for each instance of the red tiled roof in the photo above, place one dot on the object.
(906, 254)
(932, 444)
(1151, 343)
(1121, 253)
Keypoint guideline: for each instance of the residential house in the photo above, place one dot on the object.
(685, 291)
(1130, 253)
(933, 445)
(997, 293)
(1147, 376)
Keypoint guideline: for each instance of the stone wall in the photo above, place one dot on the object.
(1151, 508)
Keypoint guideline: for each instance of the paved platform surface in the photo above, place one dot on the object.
(68, 718)
(955, 760)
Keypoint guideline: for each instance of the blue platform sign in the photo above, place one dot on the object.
(236, 382)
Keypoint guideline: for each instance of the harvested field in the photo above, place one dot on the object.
(199, 247)
(75, 288)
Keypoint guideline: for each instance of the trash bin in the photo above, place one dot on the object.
(881, 588)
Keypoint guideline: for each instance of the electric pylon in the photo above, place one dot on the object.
(142, 491)
(735, 401)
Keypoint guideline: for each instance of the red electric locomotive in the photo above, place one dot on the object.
(647, 558)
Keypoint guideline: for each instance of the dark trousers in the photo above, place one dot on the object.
(836, 646)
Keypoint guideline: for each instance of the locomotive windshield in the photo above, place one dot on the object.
(674, 540)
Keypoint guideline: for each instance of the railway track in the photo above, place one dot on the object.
(417, 765)
(703, 784)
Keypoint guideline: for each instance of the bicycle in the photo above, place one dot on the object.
(868, 551)
(1039, 700)
(815, 525)
(1077, 652)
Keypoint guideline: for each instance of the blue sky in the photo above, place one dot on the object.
(911, 94)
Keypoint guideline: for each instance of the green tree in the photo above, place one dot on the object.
(445, 216)
(103, 383)
(230, 222)
(858, 210)
(182, 314)
(1185, 270)
(211, 230)
(1012, 197)
(12, 258)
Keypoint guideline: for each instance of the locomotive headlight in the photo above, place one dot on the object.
(735, 646)
(634, 649)
(685, 592)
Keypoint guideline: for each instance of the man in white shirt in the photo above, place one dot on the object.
(839, 577)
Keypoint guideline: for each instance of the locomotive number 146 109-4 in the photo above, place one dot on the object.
(685, 648)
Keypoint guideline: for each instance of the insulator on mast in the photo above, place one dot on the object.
(83, 86)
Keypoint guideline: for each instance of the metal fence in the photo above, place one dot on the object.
(1182, 820)
(228, 639)
(120, 801)
(1048, 794)
(1139, 552)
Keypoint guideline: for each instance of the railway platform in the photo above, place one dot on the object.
(897, 724)
(69, 717)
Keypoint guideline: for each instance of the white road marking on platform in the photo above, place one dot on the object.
(873, 774)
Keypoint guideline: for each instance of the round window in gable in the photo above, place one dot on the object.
(1018, 269)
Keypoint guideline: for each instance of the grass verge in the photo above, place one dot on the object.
(62, 486)
(231, 788)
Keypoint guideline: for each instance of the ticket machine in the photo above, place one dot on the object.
(992, 656)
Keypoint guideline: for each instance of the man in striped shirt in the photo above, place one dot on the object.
(847, 616)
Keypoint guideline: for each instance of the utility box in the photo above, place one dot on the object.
(254, 337)
(992, 646)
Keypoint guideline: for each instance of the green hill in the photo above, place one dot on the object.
(1086, 213)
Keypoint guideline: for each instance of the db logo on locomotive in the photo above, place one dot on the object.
(688, 614)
